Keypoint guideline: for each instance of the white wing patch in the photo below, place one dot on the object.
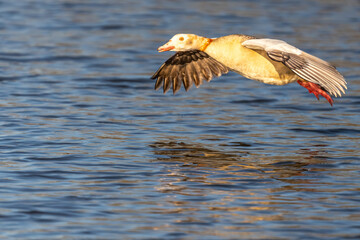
(306, 66)
(269, 45)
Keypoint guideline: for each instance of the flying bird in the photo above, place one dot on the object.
(270, 61)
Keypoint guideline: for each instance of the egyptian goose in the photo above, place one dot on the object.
(266, 60)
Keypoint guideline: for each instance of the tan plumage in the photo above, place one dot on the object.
(267, 60)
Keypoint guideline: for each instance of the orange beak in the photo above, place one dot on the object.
(166, 47)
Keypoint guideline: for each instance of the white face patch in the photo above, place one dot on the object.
(178, 38)
(181, 42)
(177, 41)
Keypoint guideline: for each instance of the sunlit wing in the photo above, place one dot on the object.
(306, 66)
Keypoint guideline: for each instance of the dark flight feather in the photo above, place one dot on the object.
(187, 67)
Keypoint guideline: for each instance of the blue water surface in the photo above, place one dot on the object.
(90, 151)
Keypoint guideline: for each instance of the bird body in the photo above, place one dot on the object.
(270, 61)
(226, 49)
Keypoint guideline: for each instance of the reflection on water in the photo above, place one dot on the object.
(231, 167)
(218, 184)
(90, 151)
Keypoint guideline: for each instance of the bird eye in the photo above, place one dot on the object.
(181, 38)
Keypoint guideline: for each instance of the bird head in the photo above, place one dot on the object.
(182, 42)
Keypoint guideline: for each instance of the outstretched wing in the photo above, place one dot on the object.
(306, 66)
(187, 67)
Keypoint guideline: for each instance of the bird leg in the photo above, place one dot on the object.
(316, 90)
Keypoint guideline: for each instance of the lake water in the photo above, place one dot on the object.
(90, 151)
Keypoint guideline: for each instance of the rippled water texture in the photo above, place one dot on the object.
(90, 151)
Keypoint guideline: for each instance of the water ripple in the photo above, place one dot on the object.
(90, 151)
